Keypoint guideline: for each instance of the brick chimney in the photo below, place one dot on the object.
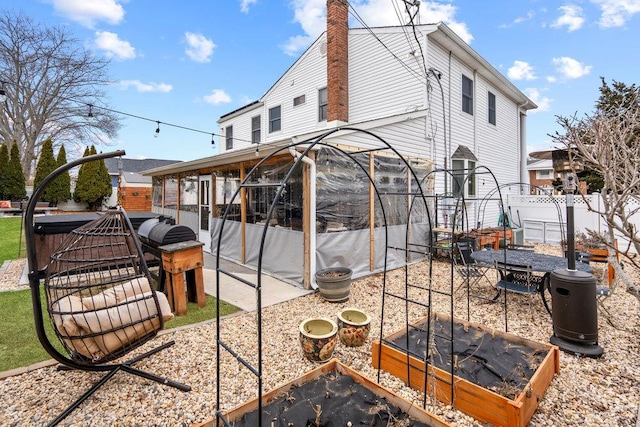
(337, 60)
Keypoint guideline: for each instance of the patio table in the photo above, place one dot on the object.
(536, 261)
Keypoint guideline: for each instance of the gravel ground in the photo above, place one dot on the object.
(589, 392)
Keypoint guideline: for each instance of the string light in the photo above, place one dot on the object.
(123, 113)
(257, 149)
(213, 142)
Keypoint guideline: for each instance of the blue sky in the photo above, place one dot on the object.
(189, 62)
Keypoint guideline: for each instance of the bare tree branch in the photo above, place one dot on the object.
(50, 80)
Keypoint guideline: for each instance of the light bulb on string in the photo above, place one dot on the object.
(213, 142)
(257, 150)
(157, 132)
(90, 113)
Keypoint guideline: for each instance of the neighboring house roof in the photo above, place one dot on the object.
(134, 165)
(540, 165)
(135, 178)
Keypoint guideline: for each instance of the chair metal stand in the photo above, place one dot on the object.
(126, 367)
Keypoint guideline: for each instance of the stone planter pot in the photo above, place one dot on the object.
(353, 327)
(334, 283)
(318, 338)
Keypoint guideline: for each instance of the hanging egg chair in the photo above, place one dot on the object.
(99, 296)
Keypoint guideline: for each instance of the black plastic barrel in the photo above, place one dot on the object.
(574, 307)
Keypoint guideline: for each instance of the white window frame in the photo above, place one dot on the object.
(323, 102)
(275, 123)
(256, 131)
(228, 137)
(491, 105)
(467, 96)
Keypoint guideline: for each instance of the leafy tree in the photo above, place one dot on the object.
(4, 168)
(607, 143)
(94, 183)
(15, 183)
(46, 165)
(51, 80)
(61, 186)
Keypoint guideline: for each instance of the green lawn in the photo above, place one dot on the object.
(10, 228)
(19, 345)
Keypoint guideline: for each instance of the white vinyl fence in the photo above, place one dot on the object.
(543, 218)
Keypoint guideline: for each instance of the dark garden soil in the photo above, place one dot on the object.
(331, 400)
(480, 357)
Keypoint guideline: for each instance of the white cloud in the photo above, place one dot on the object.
(311, 15)
(530, 15)
(521, 70)
(145, 87)
(543, 103)
(615, 13)
(200, 48)
(216, 97)
(572, 18)
(244, 5)
(552, 79)
(113, 46)
(88, 13)
(570, 68)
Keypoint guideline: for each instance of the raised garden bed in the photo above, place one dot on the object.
(330, 395)
(499, 378)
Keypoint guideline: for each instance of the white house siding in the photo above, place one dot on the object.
(407, 137)
(496, 147)
(305, 77)
(379, 84)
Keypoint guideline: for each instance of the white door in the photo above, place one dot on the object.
(205, 211)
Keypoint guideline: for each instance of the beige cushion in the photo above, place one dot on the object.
(63, 312)
(117, 293)
(108, 321)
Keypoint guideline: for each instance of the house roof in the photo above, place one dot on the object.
(134, 165)
(446, 37)
(463, 152)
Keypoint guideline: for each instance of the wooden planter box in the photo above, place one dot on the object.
(481, 403)
(333, 366)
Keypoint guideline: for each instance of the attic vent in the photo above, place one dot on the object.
(322, 49)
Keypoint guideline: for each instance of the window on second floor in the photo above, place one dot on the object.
(492, 108)
(299, 100)
(255, 129)
(322, 104)
(467, 95)
(228, 135)
(275, 123)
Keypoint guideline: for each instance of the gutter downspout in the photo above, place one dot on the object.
(312, 215)
(524, 173)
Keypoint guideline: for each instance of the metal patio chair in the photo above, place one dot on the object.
(466, 267)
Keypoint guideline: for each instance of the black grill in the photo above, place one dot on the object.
(160, 231)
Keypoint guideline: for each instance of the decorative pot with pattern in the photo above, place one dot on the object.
(353, 327)
(318, 338)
